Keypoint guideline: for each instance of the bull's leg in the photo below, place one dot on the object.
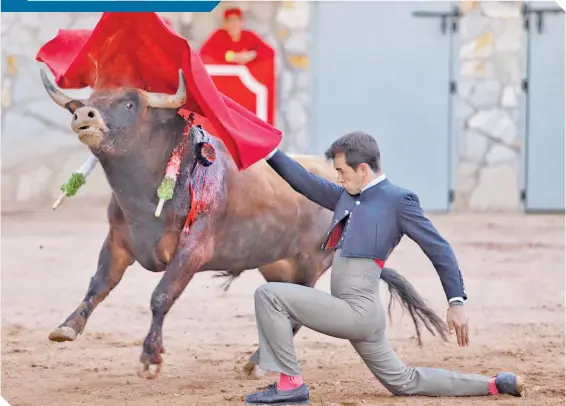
(193, 252)
(303, 272)
(113, 260)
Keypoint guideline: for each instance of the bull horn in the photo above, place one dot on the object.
(169, 101)
(56, 95)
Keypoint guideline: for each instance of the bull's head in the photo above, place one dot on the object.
(115, 120)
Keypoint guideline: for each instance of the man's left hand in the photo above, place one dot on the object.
(458, 322)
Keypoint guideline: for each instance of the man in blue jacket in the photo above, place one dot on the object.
(371, 214)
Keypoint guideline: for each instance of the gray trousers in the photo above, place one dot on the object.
(352, 311)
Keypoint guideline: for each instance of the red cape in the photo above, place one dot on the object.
(140, 50)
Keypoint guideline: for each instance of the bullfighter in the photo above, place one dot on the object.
(371, 214)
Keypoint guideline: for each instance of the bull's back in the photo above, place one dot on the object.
(316, 217)
(261, 187)
(266, 220)
(317, 165)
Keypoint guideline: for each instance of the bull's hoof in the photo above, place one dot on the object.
(149, 372)
(252, 371)
(150, 365)
(63, 334)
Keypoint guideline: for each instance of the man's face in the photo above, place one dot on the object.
(233, 25)
(349, 178)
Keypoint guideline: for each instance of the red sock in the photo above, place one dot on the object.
(287, 382)
(493, 387)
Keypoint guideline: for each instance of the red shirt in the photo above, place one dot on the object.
(214, 49)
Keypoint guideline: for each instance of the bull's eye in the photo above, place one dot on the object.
(129, 105)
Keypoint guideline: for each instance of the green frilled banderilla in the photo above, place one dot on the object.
(77, 179)
(73, 184)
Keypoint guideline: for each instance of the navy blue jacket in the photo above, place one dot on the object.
(379, 217)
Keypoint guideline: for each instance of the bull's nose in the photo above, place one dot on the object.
(85, 114)
(87, 118)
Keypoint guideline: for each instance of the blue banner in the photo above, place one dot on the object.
(108, 5)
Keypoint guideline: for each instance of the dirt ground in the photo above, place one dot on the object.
(513, 267)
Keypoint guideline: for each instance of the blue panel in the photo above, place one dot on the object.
(545, 132)
(377, 68)
(108, 5)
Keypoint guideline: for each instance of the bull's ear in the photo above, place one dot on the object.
(58, 96)
(73, 105)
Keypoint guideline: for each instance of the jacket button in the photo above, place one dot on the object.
(357, 202)
(346, 211)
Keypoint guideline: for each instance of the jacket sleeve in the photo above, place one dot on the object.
(414, 224)
(313, 187)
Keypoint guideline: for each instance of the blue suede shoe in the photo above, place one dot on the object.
(272, 396)
(508, 383)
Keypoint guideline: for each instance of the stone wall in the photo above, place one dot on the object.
(488, 106)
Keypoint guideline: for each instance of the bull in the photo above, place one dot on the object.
(255, 219)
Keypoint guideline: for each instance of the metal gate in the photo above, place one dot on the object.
(544, 114)
(386, 68)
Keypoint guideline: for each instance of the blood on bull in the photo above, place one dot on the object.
(238, 220)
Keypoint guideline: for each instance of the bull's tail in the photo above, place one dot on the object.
(405, 293)
(231, 276)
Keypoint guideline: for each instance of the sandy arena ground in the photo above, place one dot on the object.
(513, 267)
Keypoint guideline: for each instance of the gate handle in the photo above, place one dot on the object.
(455, 13)
(526, 11)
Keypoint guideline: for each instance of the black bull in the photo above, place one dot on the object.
(254, 218)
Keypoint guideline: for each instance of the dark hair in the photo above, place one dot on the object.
(358, 147)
